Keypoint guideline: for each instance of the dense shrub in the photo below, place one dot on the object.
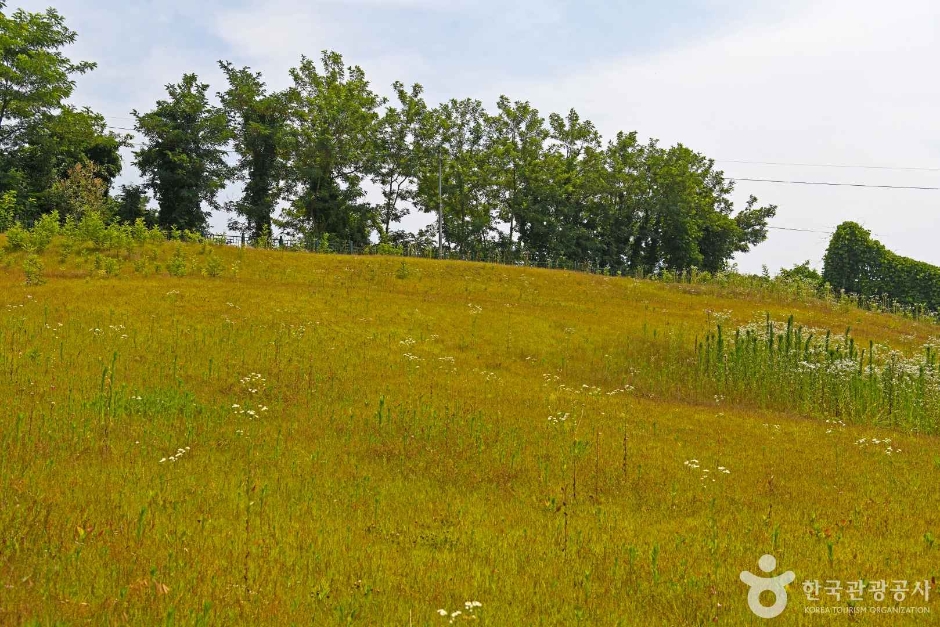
(856, 263)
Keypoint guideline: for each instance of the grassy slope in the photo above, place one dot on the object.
(406, 462)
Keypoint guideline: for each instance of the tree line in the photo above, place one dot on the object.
(506, 180)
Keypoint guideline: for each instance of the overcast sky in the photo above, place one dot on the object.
(848, 82)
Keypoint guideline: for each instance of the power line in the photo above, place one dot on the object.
(786, 228)
(832, 165)
(756, 180)
(831, 184)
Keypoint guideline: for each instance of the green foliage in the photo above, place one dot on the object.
(214, 266)
(858, 264)
(42, 137)
(80, 192)
(331, 147)
(183, 157)
(264, 238)
(461, 138)
(32, 268)
(814, 372)
(131, 206)
(801, 272)
(18, 238)
(383, 248)
(565, 196)
(403, 271)
(112, 266)
(403, 144)
(45, 229)
(177, 265)
(37, 239)
(259, 121)
(7, 207)
(35, 77)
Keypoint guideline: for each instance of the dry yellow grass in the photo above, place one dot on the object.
(400, 459)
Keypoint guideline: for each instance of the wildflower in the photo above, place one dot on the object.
(442, 612)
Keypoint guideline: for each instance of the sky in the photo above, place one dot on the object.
(802, 83)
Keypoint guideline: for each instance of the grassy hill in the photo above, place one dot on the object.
(318, 439)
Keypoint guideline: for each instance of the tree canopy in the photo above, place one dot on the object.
(183, 155)
(330, 157)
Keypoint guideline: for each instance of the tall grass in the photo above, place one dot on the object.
(788, 367)
(268, 438)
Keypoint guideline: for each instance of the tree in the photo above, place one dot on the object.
(672, 210)
(565, 218)
(131, 205)
(41, 137)
(517, 141)
(331, 147)
(35, 76)
(403, 146)
(258, 120)
(461, 138)
(81, 192)
(54, 144)
(622, 193)
(183, 156)
(853, 260)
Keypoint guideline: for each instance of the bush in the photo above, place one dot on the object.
(45, 229)
(384, 248)
(7, 206)
(19, 238)
(32, 268)
(91, 228)
(177, 265)
(111, 266)
(213, 266)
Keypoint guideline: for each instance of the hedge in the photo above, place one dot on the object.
(858, 264)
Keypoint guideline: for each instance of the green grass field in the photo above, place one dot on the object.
(316, 440)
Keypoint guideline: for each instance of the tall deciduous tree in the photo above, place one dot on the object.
(258, 120)
(183, 155)
(131, 204)
(41, 137)
(35, 76)
(462, 146)
(517, 143)
(54, 143)
(331, 147)
(403, 144)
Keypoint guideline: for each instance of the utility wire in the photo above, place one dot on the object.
(831, 165)
(831, 184)
(756, 180)
(786, 228)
